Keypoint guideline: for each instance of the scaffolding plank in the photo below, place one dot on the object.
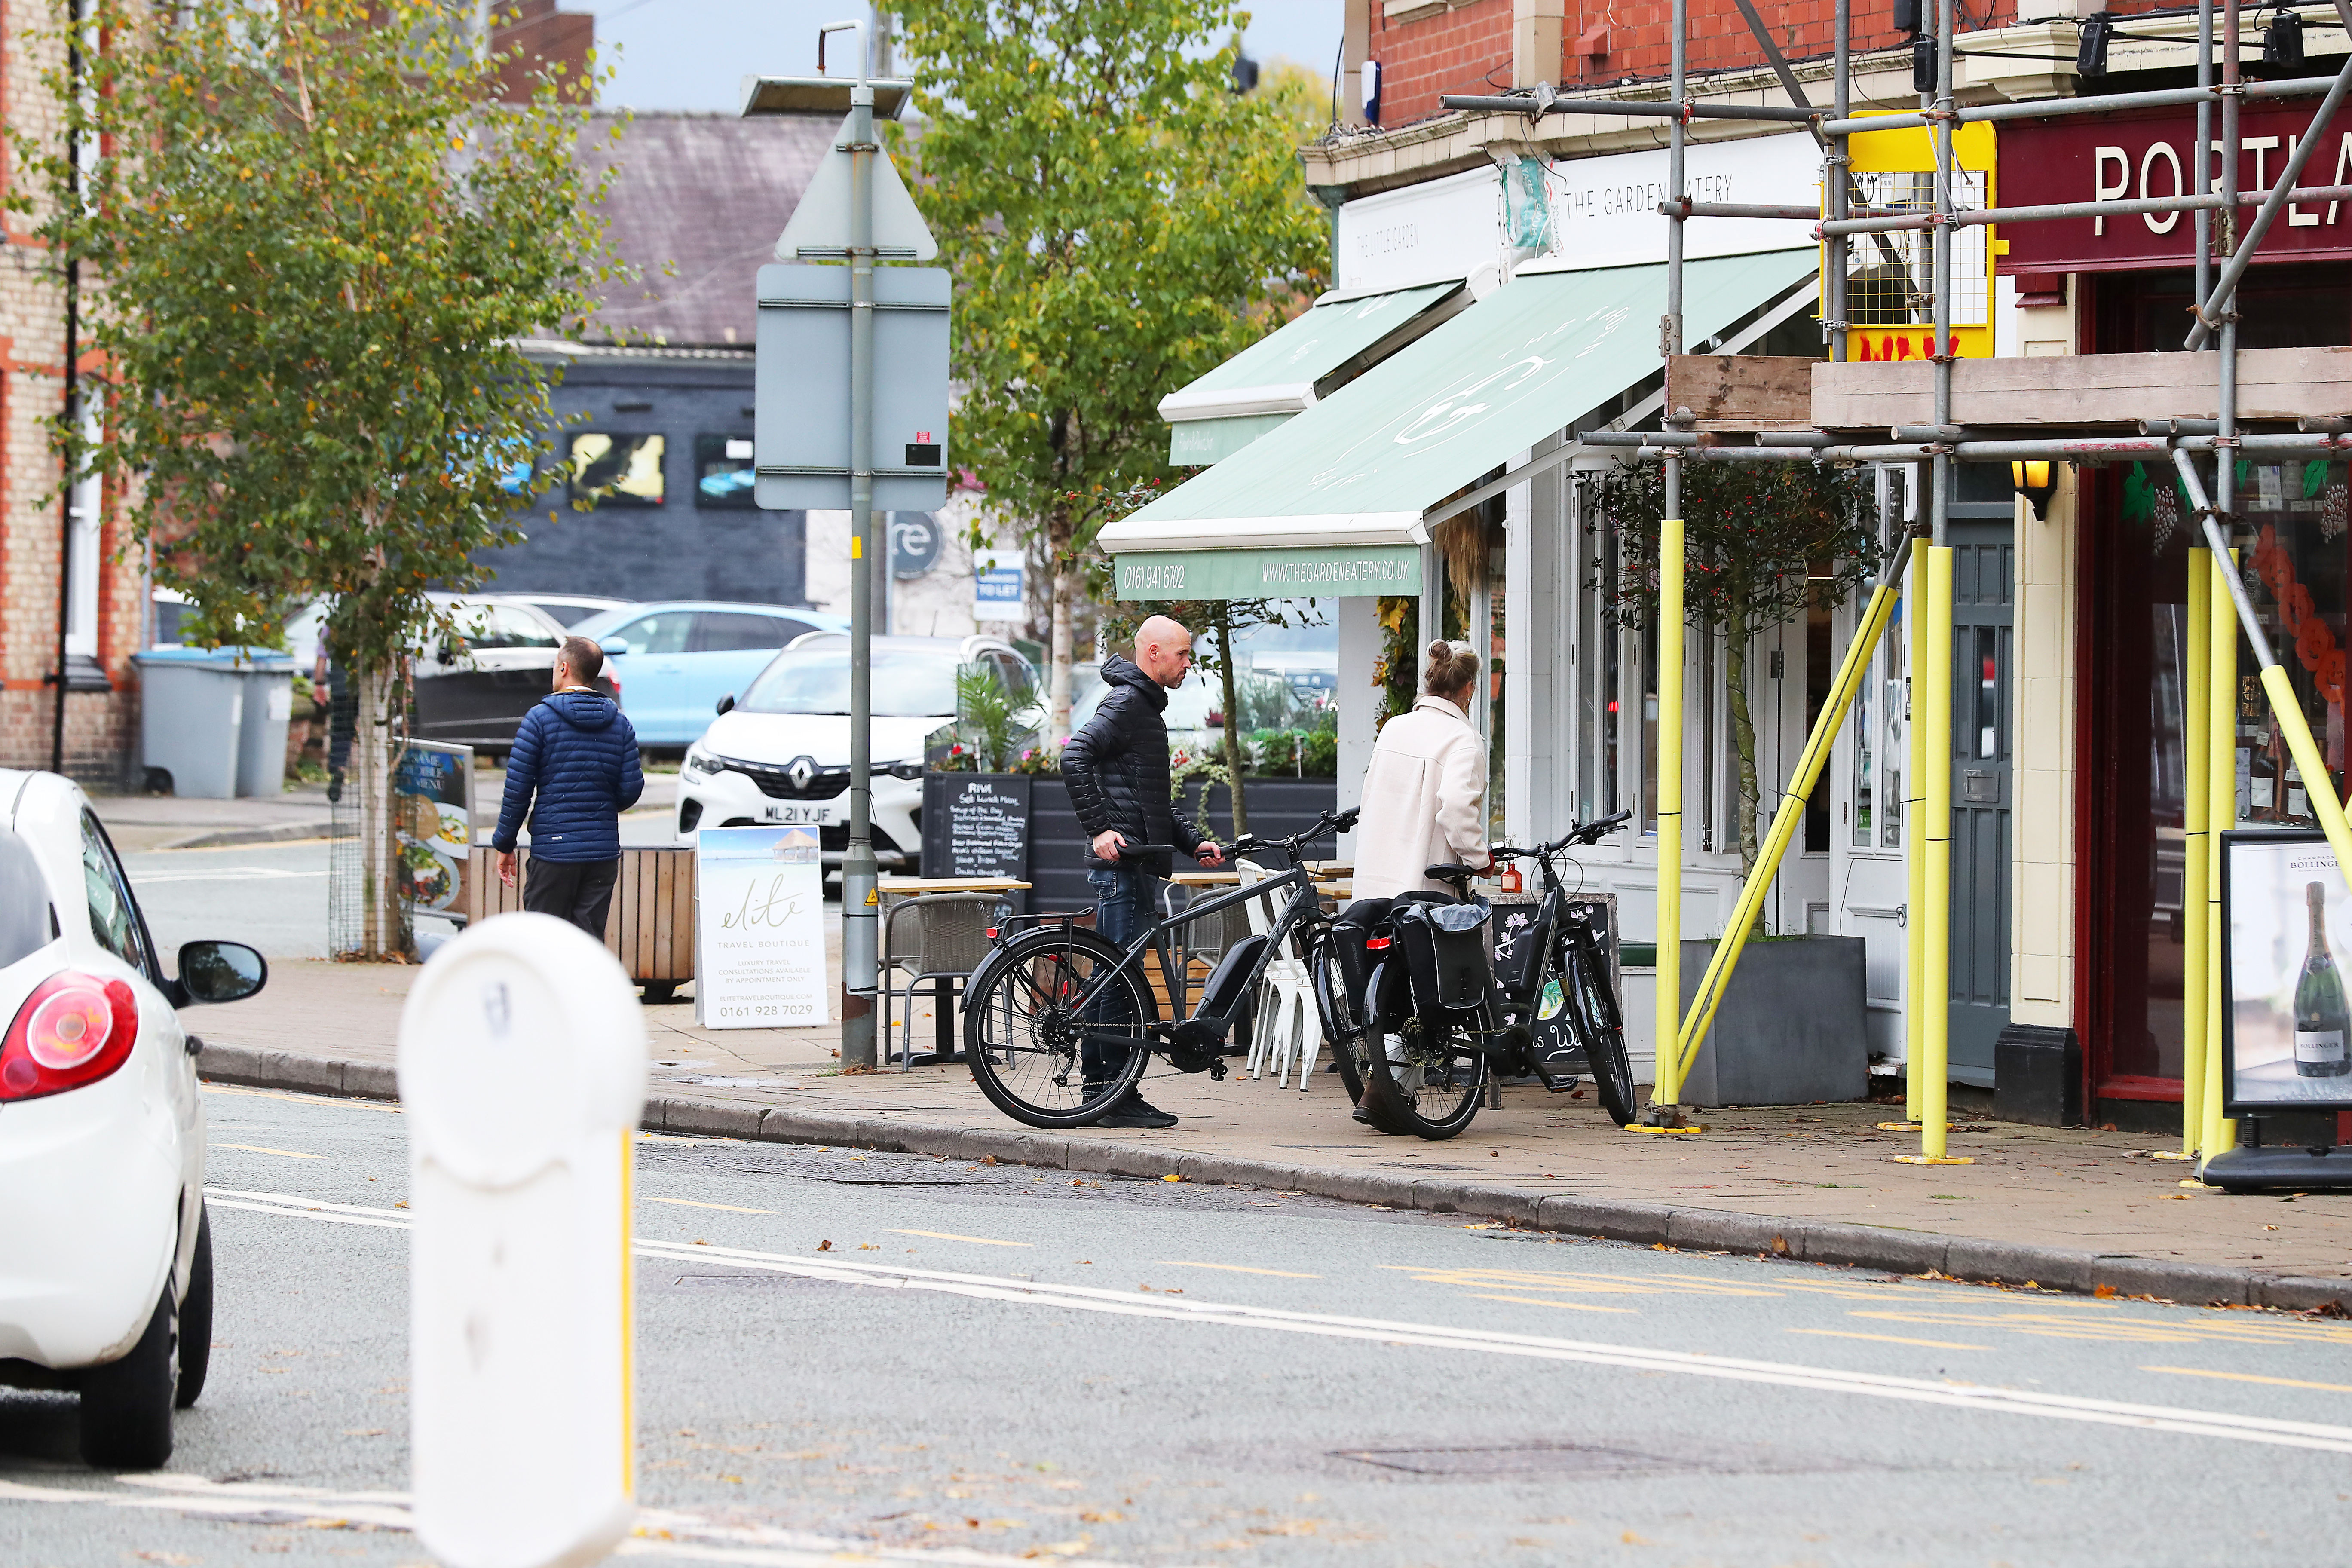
(2078, 391)
(1742, 392)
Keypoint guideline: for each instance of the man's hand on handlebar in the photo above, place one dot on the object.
(1107, 844)
(1208, 854)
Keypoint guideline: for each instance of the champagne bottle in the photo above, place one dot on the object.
(2323, 1026)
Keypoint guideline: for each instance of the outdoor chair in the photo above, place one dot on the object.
(1288, 1029)
(938, 937)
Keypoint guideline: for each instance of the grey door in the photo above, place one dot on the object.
(1984, 598)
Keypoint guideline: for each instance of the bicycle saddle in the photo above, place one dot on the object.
(1450, 873)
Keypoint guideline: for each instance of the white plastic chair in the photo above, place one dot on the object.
(1288, 1029)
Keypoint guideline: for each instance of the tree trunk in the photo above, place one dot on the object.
(1743, 741)
(383, 930)
(1057, 677)
(1223, 622)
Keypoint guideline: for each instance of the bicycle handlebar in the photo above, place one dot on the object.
(1590, 833)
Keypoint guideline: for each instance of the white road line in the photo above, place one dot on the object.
(223, 873)
(1824, 1379)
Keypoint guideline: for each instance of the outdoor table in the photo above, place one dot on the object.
(943, 1048)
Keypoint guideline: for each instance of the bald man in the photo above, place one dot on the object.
(1116, 770)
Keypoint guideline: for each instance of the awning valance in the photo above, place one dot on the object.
(1274, 378)
(1354, 474)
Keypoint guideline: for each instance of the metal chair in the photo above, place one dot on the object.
(938, 937)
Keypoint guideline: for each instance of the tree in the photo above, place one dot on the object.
(1119, 221)
(1762, 541)
(318, 239)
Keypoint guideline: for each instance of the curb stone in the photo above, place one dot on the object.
(1968, 1259)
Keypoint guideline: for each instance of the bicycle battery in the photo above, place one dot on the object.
(1221, 994)
(1445, 948)
(1520, 954)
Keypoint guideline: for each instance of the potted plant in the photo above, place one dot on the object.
(1763, 544)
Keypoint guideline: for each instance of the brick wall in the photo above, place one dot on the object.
(1466, 49)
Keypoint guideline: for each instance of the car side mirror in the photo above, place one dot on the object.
(727, 703)
(221, 971)
(614, 646)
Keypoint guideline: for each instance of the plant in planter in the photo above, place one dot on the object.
(1763, 542)
(984, 716)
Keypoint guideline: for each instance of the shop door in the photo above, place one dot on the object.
(1984, 559)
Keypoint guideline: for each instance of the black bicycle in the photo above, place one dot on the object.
(1419, 1017)
(1059, 1021)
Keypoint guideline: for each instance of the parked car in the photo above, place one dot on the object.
(567, 609)
(678, 657)
(474, 686)
(106, 1275)
(779, 752)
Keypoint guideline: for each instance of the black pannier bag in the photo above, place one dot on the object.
(1446, 944)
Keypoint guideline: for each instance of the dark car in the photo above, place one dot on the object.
(474, 686)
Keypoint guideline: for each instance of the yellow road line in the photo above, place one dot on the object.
(2250, 1377)
(257, 1149)
(1234, 1269)
(1570, 1306)
(950, 1235)
(300, 1099)
(690, 1203)
(1891, 1340)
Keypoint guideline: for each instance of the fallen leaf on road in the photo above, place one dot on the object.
(1630, 1539)
(824, 1247)
(1061, 1548)
(1172, 1176)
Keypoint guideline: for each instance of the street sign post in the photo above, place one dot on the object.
(522, 1070)
(855, 208)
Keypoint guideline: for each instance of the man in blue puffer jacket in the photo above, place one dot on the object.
(578, 754)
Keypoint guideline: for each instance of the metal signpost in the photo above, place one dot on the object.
(851, 363)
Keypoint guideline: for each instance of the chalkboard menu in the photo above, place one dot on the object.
(976, 825)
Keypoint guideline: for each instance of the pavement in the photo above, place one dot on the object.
(301, 811)
(2066, 1209)
(856, 1357)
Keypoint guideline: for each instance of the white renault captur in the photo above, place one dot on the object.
(779, 752)
(105, 1253)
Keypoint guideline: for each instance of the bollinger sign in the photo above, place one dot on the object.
(2116, 158)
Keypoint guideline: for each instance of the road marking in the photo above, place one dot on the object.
(257, 1149)
(1565, 1306)
(690, 1203)
(301, 1098)
(2250, 1377)
(950, 1235)
(224, 874)
(1234, 1269)
(1949, 1394)
(1891, 1340)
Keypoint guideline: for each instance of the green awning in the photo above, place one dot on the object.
(1273, 379)
(1359, 468)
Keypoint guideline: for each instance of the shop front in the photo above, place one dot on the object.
(2131, 291)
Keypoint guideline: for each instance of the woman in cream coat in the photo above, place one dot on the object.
(1424, 793)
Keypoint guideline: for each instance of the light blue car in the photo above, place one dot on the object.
(676, 658)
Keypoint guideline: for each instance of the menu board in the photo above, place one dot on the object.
(759, 928)
(433, 808)
(976, 825)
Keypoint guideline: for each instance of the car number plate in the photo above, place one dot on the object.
(822, 815)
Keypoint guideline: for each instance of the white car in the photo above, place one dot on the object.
(106, 1278)
(779, 752)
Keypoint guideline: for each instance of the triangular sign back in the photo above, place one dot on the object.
(819, 227)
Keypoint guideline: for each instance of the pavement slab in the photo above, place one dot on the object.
(2065, 1208)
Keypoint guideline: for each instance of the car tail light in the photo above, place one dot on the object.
(73, 1029)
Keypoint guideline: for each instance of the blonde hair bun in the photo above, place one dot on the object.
(1453, 669)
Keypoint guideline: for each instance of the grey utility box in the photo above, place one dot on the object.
(1792, 1029)
(214, 718)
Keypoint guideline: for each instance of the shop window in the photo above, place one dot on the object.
(2291, 540)
(617, 470)
(723, 473)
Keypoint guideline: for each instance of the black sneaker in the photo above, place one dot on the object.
(1360, 1114)
(1135, 1112)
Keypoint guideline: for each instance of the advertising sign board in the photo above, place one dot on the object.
(2286, 1036)
(997, 593)
(2112, 158)
(759, 932)
(433, 804)
(976, 825)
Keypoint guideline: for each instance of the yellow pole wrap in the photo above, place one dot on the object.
(1785, 822)
(1666, 1088)
(1935, 834)
(1915, 848)
(2197, 726)
(2221, 816)
(2317, 781)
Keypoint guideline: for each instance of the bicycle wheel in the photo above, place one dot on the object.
(1604, 1035)
(1344, 1024)
(1028, 1045)
(1425, 1083)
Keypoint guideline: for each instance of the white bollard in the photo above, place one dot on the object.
(523, 1068)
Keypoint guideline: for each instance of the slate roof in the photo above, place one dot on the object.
(698, 206)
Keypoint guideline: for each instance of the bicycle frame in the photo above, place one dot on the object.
(1294, 914)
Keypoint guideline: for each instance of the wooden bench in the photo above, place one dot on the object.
(650, 928)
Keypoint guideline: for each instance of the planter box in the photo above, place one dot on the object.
(650, 927)
(1791, 1028)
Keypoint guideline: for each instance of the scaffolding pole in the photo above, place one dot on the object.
(2195, 853)
(1667, 1080)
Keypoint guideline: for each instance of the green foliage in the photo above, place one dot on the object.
(1398, 672)
(1119, 222)
(316, 238)
(1297, 753)
(984, 715)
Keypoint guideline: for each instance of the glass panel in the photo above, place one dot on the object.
(733, 631)
(1859, 724)
(2291, 551)
(1650, 727)
(114, 917)
(723, 473)
(664, 632)
(506, 626)
(610, 471)
(1612, 677)
(1820, 672)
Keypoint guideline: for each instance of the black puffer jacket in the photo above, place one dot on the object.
(1117, 767)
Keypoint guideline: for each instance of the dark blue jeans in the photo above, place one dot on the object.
(1120, 893)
